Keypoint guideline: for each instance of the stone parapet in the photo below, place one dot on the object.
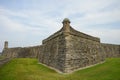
(67, 50)
(86, 36)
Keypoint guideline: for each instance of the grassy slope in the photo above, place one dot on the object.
(29, 69)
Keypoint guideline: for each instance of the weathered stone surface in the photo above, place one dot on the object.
(3, 61)
(31, 52)
(110, 50)
(67, 50)
(53, 53)
(81, 51)
(6, 45)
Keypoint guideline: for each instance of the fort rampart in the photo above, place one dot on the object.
(67, 50)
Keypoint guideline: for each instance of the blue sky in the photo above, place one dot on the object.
(28, 22)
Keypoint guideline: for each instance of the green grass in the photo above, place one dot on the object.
(29, 69)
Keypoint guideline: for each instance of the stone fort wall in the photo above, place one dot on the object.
(53, 53)
(19, 52)
(82, 50)
(110, 50)
(67, 50)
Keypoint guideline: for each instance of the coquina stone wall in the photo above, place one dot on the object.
(110, 50)
(11, 52)
(4, 61)
(54, 51)
(19, 52)
(66, 50)
(82, 50)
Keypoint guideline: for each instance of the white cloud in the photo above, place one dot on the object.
(107, 35)
(44, 18)
(84, 6)
(10, 25)
(102, 17)
(11, 13)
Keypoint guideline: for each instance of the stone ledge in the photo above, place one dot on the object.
(52, 36)
(83, 35)
(4, 61)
